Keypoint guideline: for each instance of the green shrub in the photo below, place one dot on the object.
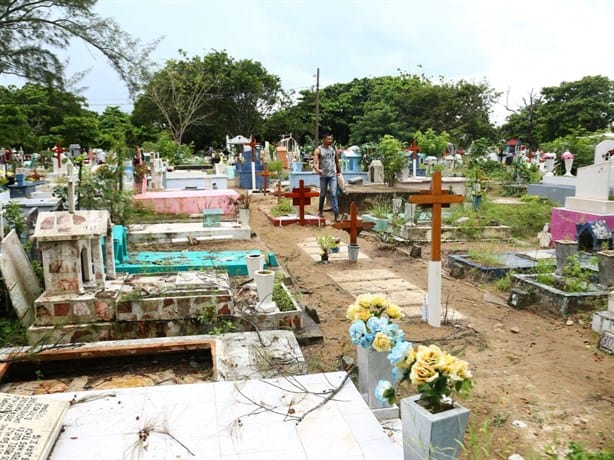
(284, 207)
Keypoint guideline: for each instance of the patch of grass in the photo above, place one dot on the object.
(281, 297)
(504, 284)
(283, 208)
(12, 333)
(485, 258)
(380, 209)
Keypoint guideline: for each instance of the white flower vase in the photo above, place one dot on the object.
(433, 436)
(568, 165)
(265, 280)
(254, 262)
(549, 166)
(374, 366)
(353, 250)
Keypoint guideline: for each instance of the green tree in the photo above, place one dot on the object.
(206, 99)
(115, 124)
(580, 143)
(182, 92)
(587, 104)
(31, 31)
(432, 143)
(33, 116)
(391, 154)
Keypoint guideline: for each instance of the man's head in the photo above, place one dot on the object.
(327, 138)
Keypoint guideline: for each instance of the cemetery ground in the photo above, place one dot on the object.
(541, 371)
(541, 383)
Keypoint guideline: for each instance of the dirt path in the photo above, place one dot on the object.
(537, 372)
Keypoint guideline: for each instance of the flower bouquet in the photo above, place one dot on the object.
(436, 374)
(567, 155)
(371, 327)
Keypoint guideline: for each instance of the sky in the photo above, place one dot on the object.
(514, 46)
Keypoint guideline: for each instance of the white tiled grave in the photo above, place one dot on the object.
(250, 419)
(406, 295)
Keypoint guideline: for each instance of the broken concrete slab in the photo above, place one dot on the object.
(21, 282)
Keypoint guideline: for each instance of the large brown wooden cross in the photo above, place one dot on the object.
(265, 178)
(436, 198)
(353, 226)
(301, 197)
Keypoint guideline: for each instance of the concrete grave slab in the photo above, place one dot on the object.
(186, 232)
(377, 274)
(21, 282)
(256, 419)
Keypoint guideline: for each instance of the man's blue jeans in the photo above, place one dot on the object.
(329, 183)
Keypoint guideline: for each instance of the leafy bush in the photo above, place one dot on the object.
(380, 209)
(284, 207)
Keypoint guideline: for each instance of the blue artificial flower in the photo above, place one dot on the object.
(395, 333)
(376, 324)
(385, 392)
(359, 335)
(399, 352)
(397, 374)
(358, 330)
(367, 341)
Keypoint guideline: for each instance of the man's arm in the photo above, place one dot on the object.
(316, 161)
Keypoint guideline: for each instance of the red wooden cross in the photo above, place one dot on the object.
(265, 176)
(353, 226)
(415, 149)
(278, 193)
(436, 198)
(252, 144)
(58, 154)
(301, 197)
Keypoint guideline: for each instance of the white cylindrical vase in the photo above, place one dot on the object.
(254, 262)
(265, 280)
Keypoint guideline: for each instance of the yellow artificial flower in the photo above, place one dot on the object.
(421, 373)
(364, 300)
(447, 363)
(409, 359)
(394, 311)
(460, 371)
(379, 300)
(352, 311)
(431, 356)
(382, 342)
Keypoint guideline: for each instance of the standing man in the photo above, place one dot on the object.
(326, 164)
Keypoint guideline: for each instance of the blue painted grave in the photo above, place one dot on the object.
(234, 262)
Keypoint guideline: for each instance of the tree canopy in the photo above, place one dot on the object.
(201, 100)
(365, 110)
(558, 111)
(33, 31)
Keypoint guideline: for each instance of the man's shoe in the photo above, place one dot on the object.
(336, 217)
(320, 214)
